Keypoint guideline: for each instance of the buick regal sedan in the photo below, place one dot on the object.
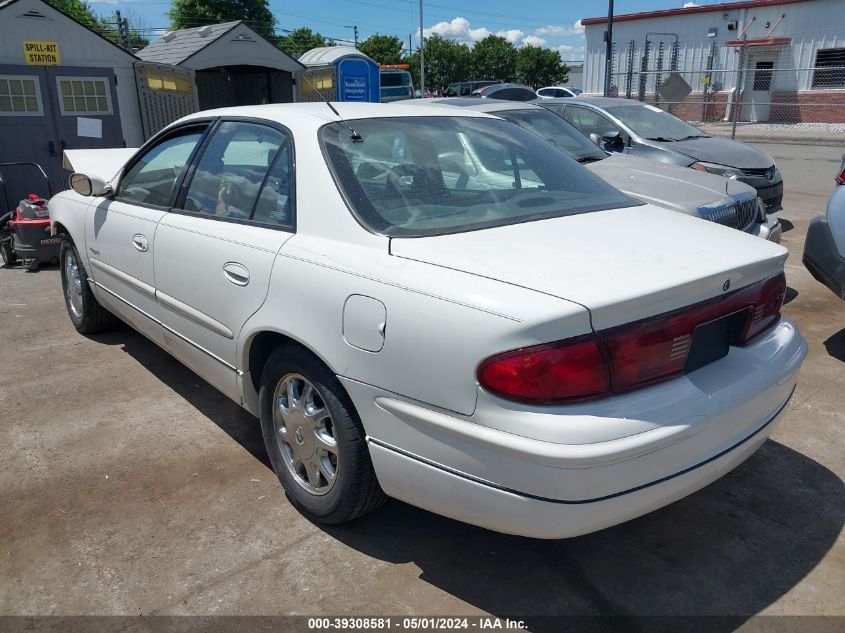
(526, 349)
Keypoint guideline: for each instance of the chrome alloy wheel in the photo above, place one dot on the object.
(73, 283)
(305, 434)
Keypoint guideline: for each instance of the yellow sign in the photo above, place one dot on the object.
(37, 53)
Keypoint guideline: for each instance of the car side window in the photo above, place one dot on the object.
(275, 202)
(152, 178)
(232, 169)
(590, 121)
(466, 90)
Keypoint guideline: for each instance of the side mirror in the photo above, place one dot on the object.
(612, 141)
(90, 186)
(595, 138)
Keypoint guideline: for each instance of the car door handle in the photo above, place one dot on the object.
(236, 273)
(140, 242)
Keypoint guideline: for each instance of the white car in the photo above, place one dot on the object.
(556, 92)
(535, 353)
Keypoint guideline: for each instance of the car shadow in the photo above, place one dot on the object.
(786, 225)
(835, 345)
(236, 422)
(729, 550)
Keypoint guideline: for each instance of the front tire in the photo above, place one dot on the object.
(85, 312)
(315, 439)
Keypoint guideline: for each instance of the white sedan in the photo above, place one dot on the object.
(523, 348)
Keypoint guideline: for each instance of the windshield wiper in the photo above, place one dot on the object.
(589, 159)
(686, 138)
(662, 139)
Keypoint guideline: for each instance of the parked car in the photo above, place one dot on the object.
(824, 246)
(508, 92)
(533, 351)
(552, 92)
(727, 202)
(396, 83)
(466, 88)
(640, 129)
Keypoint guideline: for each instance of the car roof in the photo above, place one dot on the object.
(318, 113)
(600, 102)
(483, 105)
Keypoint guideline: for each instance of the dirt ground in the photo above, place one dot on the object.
(129, 486)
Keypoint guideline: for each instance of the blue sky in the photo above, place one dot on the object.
(540, 22)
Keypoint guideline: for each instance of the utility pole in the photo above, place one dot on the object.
(608, 55)
(354, 33)
(124, 40)
(422, 54)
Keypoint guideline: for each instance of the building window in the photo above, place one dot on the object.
(830, 68)
(20, 96)
(84, 95)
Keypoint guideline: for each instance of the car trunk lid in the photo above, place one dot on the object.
(621, 264)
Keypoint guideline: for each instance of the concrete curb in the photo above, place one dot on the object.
(836, 141)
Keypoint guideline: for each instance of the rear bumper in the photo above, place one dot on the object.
(564, 471)
(822, 258)
(450, 493)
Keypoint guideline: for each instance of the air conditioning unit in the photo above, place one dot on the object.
(732, 25)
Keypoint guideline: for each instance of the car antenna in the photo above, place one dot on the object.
(356, 138)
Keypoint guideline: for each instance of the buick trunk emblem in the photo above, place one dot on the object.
(726, 285)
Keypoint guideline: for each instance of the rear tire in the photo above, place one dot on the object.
(315, 439)
(85, 312)
(8, 254)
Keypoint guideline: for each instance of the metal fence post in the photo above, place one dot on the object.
(644, 70)
(738, 91)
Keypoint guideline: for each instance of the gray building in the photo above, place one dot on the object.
(234, 65)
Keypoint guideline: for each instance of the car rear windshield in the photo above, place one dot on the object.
(653, 123)
(417, 176)
(553, 129)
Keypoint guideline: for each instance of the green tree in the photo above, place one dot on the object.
(446, 61)
(301, 40)
(185, 14)
(538, 67)
(79, 10)
(385, 49)
(494, 58)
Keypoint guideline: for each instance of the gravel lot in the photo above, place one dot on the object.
(131, 487)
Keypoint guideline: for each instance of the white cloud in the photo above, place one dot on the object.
(571, 53)
(557, 31)
(458, 29)
(533, 40)
(514, 36)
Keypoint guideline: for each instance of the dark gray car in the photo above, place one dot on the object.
(640, 129)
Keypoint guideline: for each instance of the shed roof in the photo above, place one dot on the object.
(330, 54)
(177, 46)
(223, 44)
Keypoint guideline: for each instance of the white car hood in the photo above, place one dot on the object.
(621, 264)
(103, 163)
(670, 186)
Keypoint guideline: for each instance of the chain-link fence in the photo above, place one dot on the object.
(740, 83)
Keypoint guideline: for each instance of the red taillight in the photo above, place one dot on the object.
(627, 357)
(840, 179)
(565, 371)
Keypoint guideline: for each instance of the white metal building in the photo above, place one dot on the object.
(794, 55)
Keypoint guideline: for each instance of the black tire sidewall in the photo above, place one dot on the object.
(68, 247)
(347, 430)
